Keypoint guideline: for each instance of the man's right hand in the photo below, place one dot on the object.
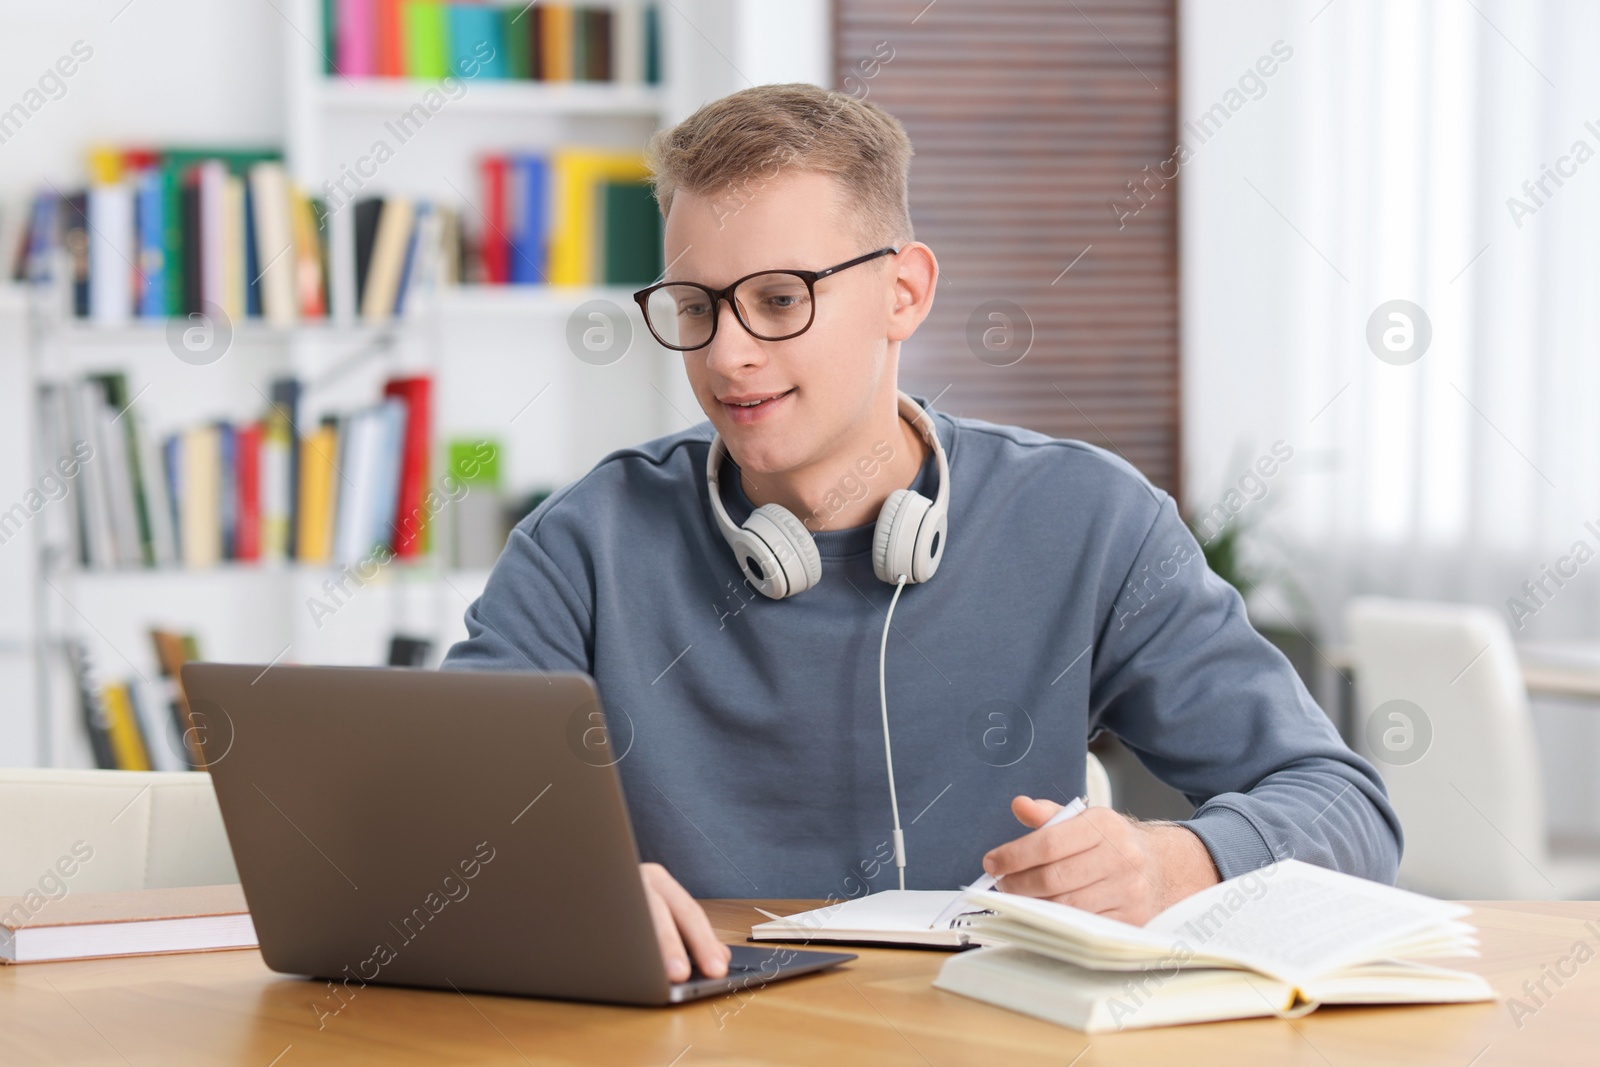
(682, 927)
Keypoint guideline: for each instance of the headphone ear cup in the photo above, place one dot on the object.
(929, 545)
(894, 542)
(791, 563)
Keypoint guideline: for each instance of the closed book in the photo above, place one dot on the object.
(155, 488)
(162, 745)
(127, 738)
(150, 296)
(189, 253)
(390, 468)
(413, 257)
(317, 472)
(555, 41)
(252, 254)
(75, 239)
(575, 176)
(535, 20)
(494, 248)
(99, 542)
(631, 229)
(652, 45)
(286, 406)
(107, 398)
(275, 237)
(275, 510)
(514, 22)
(134, 922)
(388, 260)
(214, 232)
(627, 43)
(390, 38)
(247, 482)
(597, 44)
(356, 38)
(310, 292)
(527, 206)
(235, 282)
(368, 213)
(228, 487)
(200, 499)
(579, 51)
(426, 39)
(130, 496)
(111, 253)
(476, 40)
(411, 513)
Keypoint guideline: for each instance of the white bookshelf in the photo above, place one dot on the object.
(489, 349)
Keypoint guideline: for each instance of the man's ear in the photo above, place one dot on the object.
(916, 277)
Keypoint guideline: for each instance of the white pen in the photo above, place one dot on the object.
(986, 882)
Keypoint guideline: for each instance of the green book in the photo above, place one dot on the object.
(330, 38)
(631, 225)
(516, 23)
(427, 39)
(577, 19)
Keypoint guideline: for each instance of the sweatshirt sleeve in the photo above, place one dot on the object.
(530, 616)
(1218, 713)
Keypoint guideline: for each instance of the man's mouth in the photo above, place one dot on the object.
(753, 401)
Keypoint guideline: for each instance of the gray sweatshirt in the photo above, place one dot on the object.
(1070, 599)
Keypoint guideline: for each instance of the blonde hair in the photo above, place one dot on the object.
(733, 147)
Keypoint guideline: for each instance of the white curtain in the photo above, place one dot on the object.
(1374, 164)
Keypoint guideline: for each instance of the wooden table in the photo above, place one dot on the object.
(227, 1008)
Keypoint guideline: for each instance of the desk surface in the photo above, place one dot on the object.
(227, 1008)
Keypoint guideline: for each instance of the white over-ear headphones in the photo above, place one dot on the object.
(777, 554)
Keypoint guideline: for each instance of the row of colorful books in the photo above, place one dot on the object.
(165, 233)
(140, 724)
(348, 490)
(617, 42)
(574, 217)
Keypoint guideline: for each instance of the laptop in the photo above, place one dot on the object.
(442, 829)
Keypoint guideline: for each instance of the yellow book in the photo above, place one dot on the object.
(234, 283)
(105, 165)
(313, 536)
(200, 498)
(127, 741)
(575, 190)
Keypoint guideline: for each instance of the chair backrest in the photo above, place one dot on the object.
(97, 831)
(1443, 713)
(1096, 783)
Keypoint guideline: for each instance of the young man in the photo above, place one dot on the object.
(1069, 596)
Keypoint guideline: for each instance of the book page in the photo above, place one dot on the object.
(891, 910)
(1295, 921)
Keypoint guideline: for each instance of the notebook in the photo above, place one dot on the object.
(1278, 941)
(138, 922)
(904, 917)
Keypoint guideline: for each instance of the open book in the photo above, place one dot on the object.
(892, 917)
(1277, 941)
(134, 922)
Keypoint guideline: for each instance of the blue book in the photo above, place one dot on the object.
(475, 29)
(228, 487)
(528, 186)
(392, 424)
(150, 224)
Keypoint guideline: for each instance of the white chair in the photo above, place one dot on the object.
(140, 829)
(1096, 783)
(1463, 774)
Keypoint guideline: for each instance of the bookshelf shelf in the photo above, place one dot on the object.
(397, 95)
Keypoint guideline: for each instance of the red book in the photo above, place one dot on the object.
(411, 513)
(496, 247)
(247, 534)
(391, 39)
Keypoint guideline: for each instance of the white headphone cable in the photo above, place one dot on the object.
(883, 703)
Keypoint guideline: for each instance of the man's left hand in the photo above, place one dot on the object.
(1101, 861)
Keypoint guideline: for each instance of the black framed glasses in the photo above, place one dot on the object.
(772, 305)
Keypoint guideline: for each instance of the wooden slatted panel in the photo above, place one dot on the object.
(1029, 119)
